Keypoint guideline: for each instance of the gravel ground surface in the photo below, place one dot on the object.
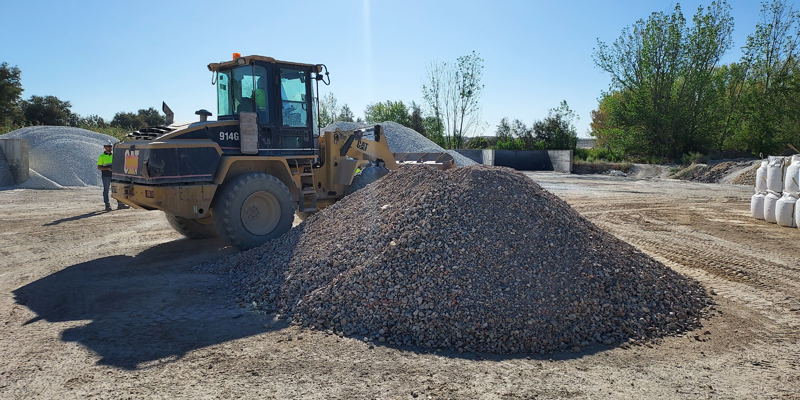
(62, 156)
(404, 140)
(106, 306)
(6, 179)
(470, 259)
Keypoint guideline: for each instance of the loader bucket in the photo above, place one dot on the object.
(437, 160)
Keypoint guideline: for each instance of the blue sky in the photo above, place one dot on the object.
(110, 56)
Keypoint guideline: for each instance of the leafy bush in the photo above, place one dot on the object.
(694, 158)
(477, 143)
(599, 154)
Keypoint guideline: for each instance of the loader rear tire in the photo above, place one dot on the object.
(252, 209)
(365, 177)
(193, 228)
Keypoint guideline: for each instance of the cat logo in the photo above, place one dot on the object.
(131, 162)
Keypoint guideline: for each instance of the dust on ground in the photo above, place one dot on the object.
(107, 305)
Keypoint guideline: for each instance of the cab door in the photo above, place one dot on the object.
(295, 130)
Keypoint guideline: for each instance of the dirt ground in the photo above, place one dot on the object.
(106, 305)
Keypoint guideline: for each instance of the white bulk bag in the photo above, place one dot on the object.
(761, 177)
(791, 182)
(775, 167)
(797, 213)
(784, 211)
(757, 206)
(770, 202)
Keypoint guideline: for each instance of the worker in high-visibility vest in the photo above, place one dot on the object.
(104, 165)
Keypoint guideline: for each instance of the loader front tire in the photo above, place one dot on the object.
(193, 228)
(252, 209)
(365, 177)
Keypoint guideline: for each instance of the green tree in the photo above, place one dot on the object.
(663, 70)
(434, 130)
(152, 117)
(328, 109)
(557, 131)
(10, 94)
(388, 111)
(346, 114)
(128, 120)
(452, 93)
(771, 93)
(416, 119)
(46, 110)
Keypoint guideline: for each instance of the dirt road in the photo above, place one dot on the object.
(107, 305)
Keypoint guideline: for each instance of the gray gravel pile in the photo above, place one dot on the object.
(402, 139)
(62, 156)
(6, 179)
(476, 259)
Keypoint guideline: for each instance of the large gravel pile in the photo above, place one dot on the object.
(6, 179)
(62, 156)
(404, 140)
(476, 259)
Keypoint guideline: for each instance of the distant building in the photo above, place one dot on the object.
(586, 143)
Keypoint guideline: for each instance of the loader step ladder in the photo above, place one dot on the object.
(308, 196)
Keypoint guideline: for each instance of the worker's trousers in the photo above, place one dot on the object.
(106, 186)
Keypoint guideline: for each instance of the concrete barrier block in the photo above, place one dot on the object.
(16, 152)
(561, 160)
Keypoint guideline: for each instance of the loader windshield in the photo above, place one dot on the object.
(243, 89)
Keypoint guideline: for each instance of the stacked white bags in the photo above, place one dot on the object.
(776, 166)
(770, 206)
(757, 201)
(786, 209)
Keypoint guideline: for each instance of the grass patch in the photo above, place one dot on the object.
(598, 167)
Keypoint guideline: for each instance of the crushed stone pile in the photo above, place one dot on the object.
(402, 139)
(717, 172)
(62, 156)
(6, 178)
(478, 259)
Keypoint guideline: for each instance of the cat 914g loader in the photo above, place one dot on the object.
(245, 175)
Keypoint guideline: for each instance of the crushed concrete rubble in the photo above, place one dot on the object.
(477, 259)
(62, 156)
(402, 139)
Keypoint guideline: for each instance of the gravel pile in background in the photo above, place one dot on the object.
(476, 259)
(715, 173)
(6, 179)
(62, 156)
(402, 139)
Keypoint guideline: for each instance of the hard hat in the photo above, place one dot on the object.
(108, 144)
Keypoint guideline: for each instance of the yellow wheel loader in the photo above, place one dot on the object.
(244, 176)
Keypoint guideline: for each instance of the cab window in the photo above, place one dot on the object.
(243, 89)
(293, 98)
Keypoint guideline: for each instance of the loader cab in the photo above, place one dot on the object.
(281, 94)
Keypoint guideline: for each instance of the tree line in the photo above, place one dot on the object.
(50, 110)
(671, 95)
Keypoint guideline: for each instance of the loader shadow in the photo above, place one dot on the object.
(147, 308)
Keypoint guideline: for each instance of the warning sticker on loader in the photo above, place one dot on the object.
(131, 162)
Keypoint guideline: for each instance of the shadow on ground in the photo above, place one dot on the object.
(144, 308)
(76, 218)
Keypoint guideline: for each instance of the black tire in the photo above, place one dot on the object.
(193, 228)
(365, 177)
(252, 209)
(303, 215)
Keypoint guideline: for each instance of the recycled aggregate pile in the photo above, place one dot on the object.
(6, 178)
(62, 156)
(402, 139)
(476, 259)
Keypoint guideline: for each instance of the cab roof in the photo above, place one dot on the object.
(249, 60)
